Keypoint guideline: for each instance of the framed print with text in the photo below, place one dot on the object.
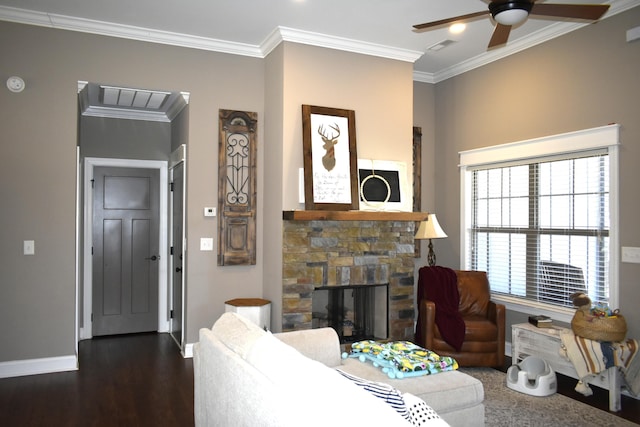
(330, 158)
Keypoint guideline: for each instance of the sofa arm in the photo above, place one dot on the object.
(428, 317)
(497, 314)
(320, 344)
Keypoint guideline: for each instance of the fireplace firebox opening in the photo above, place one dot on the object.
(356, 312)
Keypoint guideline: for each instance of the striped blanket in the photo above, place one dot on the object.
(590, 358)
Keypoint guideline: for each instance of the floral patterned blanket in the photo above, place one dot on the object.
(399, 359)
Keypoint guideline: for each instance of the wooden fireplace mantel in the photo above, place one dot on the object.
(353, 216)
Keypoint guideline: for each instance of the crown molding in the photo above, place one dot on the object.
(339, 43)
(130, 32)
(424, 77)
(279, 34)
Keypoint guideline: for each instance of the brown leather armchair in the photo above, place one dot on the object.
(484, 320)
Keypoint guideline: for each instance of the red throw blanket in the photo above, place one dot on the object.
(440, 285)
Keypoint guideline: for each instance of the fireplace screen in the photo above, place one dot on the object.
(355, 312)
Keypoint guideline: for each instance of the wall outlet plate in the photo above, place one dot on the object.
(206, 243)
(209, 211)
(631, 255)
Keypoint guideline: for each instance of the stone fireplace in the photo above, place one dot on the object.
(323, 249)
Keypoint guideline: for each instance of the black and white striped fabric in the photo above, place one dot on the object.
(389, 394)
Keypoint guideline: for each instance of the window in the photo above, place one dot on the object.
(538, 217)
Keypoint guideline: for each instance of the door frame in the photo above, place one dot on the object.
(177, 157)
(87, 294)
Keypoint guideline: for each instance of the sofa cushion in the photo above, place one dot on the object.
(321, 344)
(422, 414)
(391, 396)
(444, 392)
(311, 383)
(237, 332)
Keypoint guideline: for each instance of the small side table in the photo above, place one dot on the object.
(529, 340)
(257, 310)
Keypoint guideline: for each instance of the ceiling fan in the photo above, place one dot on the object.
(510, 13)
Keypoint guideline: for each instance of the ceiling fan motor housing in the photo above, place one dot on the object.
(496, 8)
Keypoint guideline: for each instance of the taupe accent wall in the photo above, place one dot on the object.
(380, 92)
(585, 79)
(40, 131)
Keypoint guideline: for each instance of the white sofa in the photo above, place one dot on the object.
(245, 376)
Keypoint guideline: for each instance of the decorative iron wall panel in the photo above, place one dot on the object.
(237, 188)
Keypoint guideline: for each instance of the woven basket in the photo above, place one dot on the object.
(612, 329)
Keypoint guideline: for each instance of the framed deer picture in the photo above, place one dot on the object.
(330, 158)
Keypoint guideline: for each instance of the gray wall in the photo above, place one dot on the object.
(124, 139)
(378, 90)
(585, 79)
(39, 129)
(424, 116)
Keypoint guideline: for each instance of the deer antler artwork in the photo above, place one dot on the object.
(329, 158)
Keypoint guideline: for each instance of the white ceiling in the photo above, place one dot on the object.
(255, 27)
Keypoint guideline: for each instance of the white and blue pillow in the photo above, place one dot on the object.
(389, 394)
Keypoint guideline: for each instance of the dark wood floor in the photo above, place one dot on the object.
(132, 380)
(600, 398)
(142, 380)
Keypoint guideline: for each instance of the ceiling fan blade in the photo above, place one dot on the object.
(450, 20)
(500, 35)
(592, 12)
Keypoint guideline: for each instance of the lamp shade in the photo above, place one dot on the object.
(430, 229)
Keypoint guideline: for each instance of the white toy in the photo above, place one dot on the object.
(532, 376)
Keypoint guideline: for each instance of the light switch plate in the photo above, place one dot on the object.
(29, 247)
(630, 254)
(206, 243)
(209, 211)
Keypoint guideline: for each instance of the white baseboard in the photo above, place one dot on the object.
(85, 334)
(19, 368)
(188, 351)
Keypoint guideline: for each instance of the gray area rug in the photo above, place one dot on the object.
(506, 407)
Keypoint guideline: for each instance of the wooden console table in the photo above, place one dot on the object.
(529, 340)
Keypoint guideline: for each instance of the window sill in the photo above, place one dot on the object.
(560, 314)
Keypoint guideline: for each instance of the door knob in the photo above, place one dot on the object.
(153, 258)
(178, 269)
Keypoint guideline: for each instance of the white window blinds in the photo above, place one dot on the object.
(540, 217)
(541, 229)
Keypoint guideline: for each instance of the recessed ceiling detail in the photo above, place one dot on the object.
(136, 98)
(127, 103)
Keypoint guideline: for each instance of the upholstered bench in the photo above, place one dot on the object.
(455, 396)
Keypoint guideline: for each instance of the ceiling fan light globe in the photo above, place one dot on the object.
(511, 16)
(510, 12)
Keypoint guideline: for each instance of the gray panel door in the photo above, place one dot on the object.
(177, 221)
(125, 250)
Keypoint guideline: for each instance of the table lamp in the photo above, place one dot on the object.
(430, 229)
